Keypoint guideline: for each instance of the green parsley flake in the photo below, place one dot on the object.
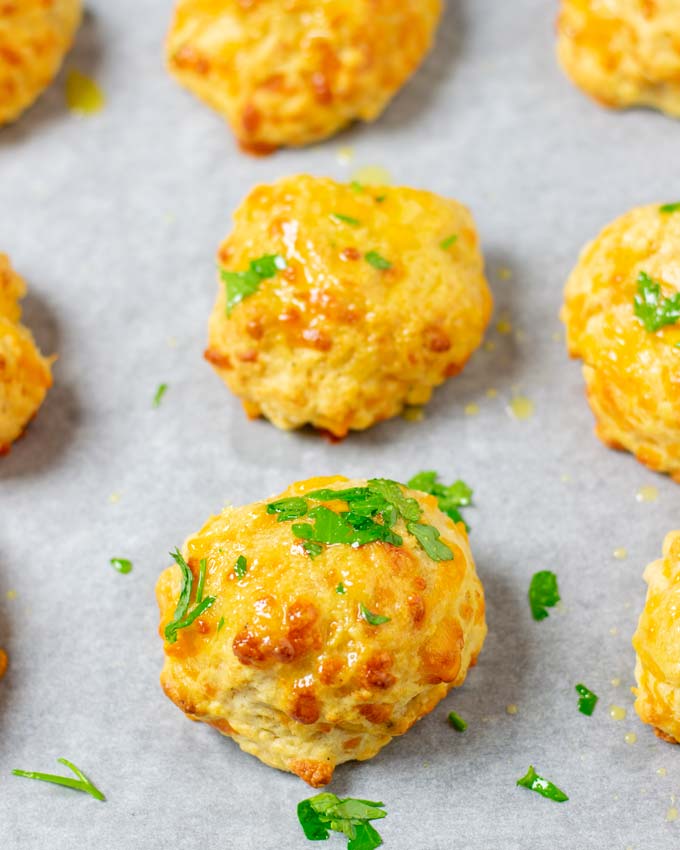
(587, 700)
(288, 509)
(160, 392)
(325, 812)
(340, 588)
(121, 565)
(371, 618)
(345, 219)
(667, 209)
(220, 625)
(653, 310)
(450, 499)
(82, 783)
(543, 593)
(241, 285)
(378, 262)
(457, 722)
(240, 567)
(356, 186)
(183, 618)
(542, 786)
(428, 537)
(445, 244)
(312, 549)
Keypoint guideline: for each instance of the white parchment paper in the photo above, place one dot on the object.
(114, 220)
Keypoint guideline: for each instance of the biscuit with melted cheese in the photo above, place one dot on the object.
(286, 662)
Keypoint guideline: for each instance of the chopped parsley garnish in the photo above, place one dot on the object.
(160, 392)
(183, 618)
(241, 566)
(457, 722)
(445, 244)
(653, 310)
(542, 786)
(288, 509)
(82, 783)
(121, 565)
(356, 186)
(340, 588)
(371, 618)
(587, 700)
(372, 512)
(450, 499)
(378, 262)
(666, 209)
(345, 219)
(543, 594)
(240, 285)
(428, 537)
(325, 812)
(380, 198)
(220, 625)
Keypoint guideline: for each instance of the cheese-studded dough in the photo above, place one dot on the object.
(311, 660)
(623, 52)
(25, 375)
(632, 374)
(657, 643)
(292, 72)
(379, 295)
(34, 37)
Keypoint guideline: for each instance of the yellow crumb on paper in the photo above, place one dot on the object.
(511, 709)
(616, 712)
(492, 392)
(372, 175)
(489, 345)
(615, 682)
(672, 814)
(613, 631)
(11, 594)
(504, 326)
(114, 498)
(647, 494)
(620, 554)
(630, 737)
(471, 409)
(521, 408)
(83, 95)
(504, 273)
(661, 771)
(345, 155)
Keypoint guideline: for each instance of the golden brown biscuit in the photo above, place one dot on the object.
(657, 643)
(311, 660)
(34, 37)
(295, 72)
(632, 373)
(368, 298)
(623, 52)
(25, 375)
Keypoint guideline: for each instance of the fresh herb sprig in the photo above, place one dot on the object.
(241, 285)
(587, 700)
(667, 209)
(543, 594)
(650, 306)
(81, 783)
(184, 618)
(534, 782)
(325, 812)
(450, 499)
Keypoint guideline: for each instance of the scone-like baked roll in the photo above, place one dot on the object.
(336, 621)
(25, 375)
(341, 304)
(623, 52)
(657, 643)
(288, 74)
(34, 37)
(621, 312)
